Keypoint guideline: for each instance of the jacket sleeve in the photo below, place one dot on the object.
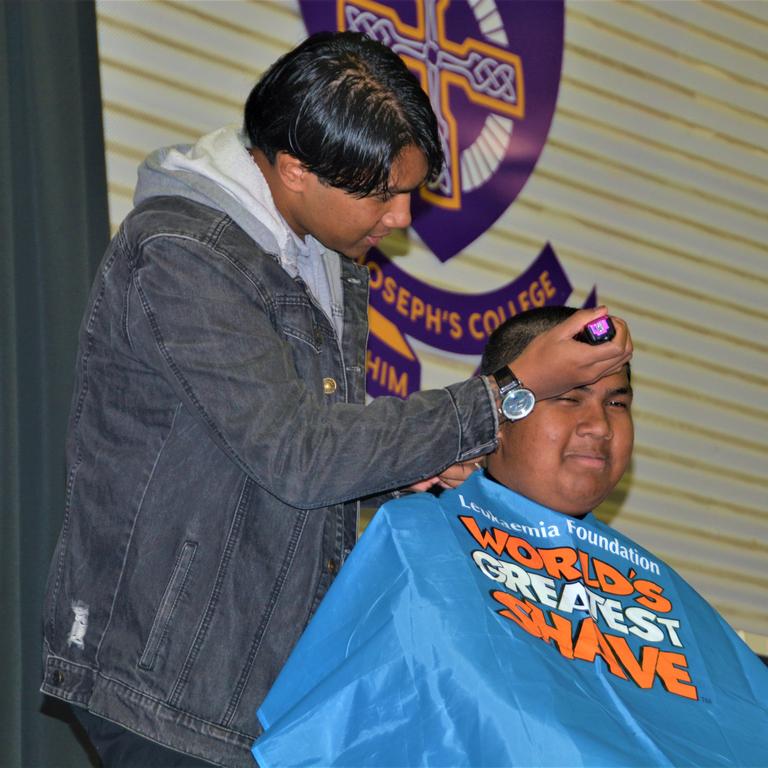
(202, 320)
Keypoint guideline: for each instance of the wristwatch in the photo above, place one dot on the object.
(516, 401)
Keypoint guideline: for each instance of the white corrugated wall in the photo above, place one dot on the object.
(653, 184)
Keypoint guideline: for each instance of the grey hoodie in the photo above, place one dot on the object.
(218, 171)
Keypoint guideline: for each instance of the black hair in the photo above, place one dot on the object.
(346, 106)
(508, 340)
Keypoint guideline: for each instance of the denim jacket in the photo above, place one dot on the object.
(217, 444)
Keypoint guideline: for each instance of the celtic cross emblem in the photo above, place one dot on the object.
(489, 75)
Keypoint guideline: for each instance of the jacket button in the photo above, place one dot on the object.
(329, 386)
(332, 567)
(57, 678)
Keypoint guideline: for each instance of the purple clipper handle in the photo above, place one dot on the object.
(597, 332)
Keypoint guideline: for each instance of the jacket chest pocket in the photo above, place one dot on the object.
(298, 323)
(313, 346)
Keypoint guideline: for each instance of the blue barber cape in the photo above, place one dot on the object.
(482, 629)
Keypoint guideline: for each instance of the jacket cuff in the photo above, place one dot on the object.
(477, 417)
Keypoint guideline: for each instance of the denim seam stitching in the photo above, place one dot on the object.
(264, 295)
(133, 529)
(290, 556)
(206, 618)
(144, 695)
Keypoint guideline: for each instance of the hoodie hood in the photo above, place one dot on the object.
(218, 171)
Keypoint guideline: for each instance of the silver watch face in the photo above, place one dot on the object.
(518, 403)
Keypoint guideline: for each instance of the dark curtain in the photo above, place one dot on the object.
(53, 229)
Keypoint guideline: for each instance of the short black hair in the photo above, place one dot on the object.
(346, 106)
(509, 340)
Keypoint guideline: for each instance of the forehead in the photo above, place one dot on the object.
(409, 170)
(612, 382)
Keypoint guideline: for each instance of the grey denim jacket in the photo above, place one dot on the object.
(217, 444)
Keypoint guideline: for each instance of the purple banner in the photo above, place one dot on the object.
(461, 322)
(390, 371)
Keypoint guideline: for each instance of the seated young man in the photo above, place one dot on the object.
(502, 623)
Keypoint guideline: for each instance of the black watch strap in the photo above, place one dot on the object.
(506, 380)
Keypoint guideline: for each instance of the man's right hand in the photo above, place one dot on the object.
(555, 362)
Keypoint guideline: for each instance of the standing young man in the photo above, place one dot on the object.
(218, 442)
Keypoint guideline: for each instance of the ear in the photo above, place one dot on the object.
(292, 172)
